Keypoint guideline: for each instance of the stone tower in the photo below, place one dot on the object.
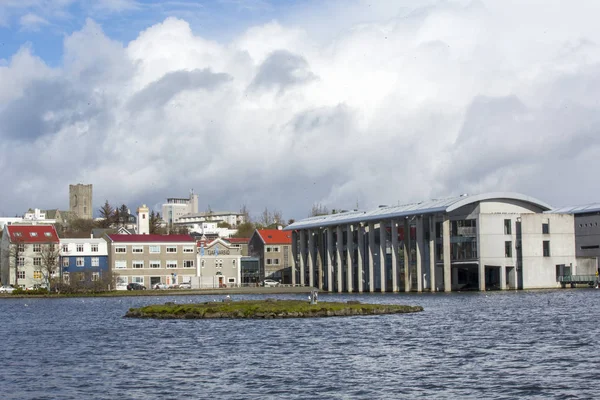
(80, 200)
(143, 220)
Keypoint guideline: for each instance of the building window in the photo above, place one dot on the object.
(66, 277)
(231, 280)
(21, 262)
(80, 261)
(94, 248)
(122, 280)
(154, 264)
(95, 261)
(590, 247)
(95, 276)
(508, 249)
(508, 227)
(37, 274)
(171, 249)
(80, 248)
(21, 274)
(154, 249)
(137, 249)
(65, 248)
(33, 234)
(120, 264)
(276, 261)
(188, 249)
(546, 228)
(188, 264)
(65, 262)
(138, 264)
(21, 247)
(47, 234)
(120, 249)
(37, 248)
(269, 261)
(37, 261)
(276, 249)
(546, 248)
(138, 279)
(171, 264)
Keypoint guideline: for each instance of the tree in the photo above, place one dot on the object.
(15, 252)
(223, 224)
(123, 215)
(318, 209)
(245, 213)
(49, 263)
(156, 224)
(108, 215)
(278, 218)
(245, 230)
(266, 218)
(80, 227)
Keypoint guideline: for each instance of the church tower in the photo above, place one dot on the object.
(80, 200)
(143, 220)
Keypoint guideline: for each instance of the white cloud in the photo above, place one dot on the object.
(32, 22)
(392, 104)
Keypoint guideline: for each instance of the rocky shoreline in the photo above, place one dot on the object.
(266, 309)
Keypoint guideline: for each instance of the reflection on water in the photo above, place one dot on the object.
(540, 344)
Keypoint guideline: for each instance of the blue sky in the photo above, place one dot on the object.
(43, 24)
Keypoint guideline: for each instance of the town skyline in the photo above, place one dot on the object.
(275, 105)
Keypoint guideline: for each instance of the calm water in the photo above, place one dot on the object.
(472, 345)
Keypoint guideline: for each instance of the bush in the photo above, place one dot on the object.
(40, 291)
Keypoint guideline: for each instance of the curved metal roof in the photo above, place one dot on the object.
(425, 207)
(584, 209)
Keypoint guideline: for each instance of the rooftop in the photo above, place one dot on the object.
(150, 238)
(583, 209)
(274, 236)
(424, 207)
(32, 233)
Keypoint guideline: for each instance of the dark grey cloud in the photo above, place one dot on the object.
(158, 93)
(282, 70)
(45, 107)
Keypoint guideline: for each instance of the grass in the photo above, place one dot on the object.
(266, 309)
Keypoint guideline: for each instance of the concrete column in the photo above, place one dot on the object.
(382, 251)
(406, 249)
(481, 276)
(294, 256)
(371, 257)
(311, 258)
(432, 252)
(394, 232)
(447, 259)
(339, 251)
(330, 259)
(502, 277)
(360, 256)
(302, 258)
(349, 254)
(420, 253)
(320, 253)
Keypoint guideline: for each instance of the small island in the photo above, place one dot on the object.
(266, 309)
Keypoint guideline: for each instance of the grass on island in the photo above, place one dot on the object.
(266, 309)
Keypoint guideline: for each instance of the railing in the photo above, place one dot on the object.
(591, 279)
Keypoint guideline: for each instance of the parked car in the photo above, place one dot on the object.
(270, 283)
(161, 286)
(6, 289)
(136, 286)
(185, 285)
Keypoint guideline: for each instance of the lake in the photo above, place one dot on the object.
(494, 345)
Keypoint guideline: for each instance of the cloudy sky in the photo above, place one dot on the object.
(282, 104)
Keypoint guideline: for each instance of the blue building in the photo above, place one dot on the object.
(86, 257)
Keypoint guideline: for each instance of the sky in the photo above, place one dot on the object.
(284, 104)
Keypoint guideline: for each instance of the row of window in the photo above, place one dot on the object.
(79, 248)
(154, 249)
(122, 264)
(80, 262)
(38, 275)
(273, 249)
(33, 234)
(272, 261)
(508, 227)
(588, 225)
(508, 248)
(37, 247)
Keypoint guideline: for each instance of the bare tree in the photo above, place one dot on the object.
(318, 209)
(245, 213)
(266, 218)
(15, 253)
(278, 217)
(49, 262)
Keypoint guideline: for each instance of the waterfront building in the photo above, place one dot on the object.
(83, 259)
(209, 229)
(487, 241)
(152, 259)
(29, 247)
(176, 207)
(273, 247)
(232, 219)
(219, 264)
(587, 236)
